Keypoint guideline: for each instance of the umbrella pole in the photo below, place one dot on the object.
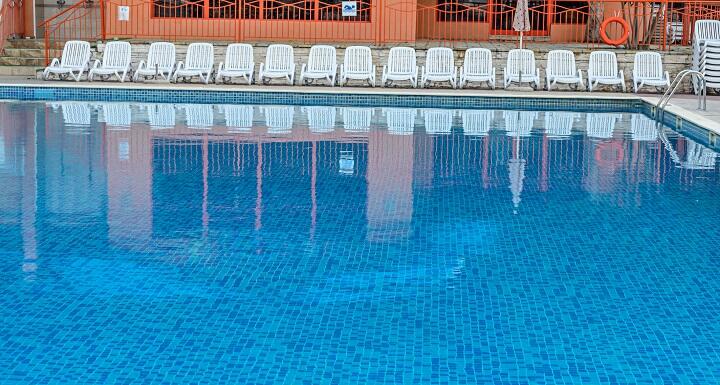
(521, 39)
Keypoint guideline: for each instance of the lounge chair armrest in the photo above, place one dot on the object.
(96, 64)
(667, 75)
(141, 65)
(220, 66)
(302, 70)
(180, 66)
(55, 62)
(622, 75)
(493, 72)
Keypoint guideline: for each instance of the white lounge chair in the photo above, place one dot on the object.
(477, 67)
(239, 62)
(279, 63)
(477, 122)
(322, 64)
(643, 129)
(519, 123)
(199, 116)
(160, 62)
(357, 119)
(74, 61)
(648, 71)
(238, 118)
(401, 66)
(357, 65)
(116, 61)
(199, 61)
(601, 125)
(321, 119)
(160, 116)
(438, 121)
(117, 115)
(400, 121)
(561, 68)
(521, 68)
(279, 119)
(603, 69)
(559, 124)
(439, 67)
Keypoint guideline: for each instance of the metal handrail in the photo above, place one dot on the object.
(663, 102)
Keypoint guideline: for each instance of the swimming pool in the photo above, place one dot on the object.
(184, 244)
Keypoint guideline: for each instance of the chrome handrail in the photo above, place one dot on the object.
(663, 102)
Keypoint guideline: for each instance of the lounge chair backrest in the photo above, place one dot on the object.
(521, 61)
(706, 30)
(322, 58)
(440, 60)
(478, 61)
(280, 57)
(162, 55)
(239, 57)
(200, 56)
(117, 55)
(648, 65)
(603, 64)
(401, 60)
(75, 54)
(561, 63)
(358, 59)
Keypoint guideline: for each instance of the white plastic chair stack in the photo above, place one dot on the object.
(239, 62)
(238, 118)
(117, 115)
(559, 124)
(279, 119)
(643, 128)
(279, 63)
(199, 61)
(74, 61)
(477, 122)
(357, 65)
(199, 116)
(648, 71)
(400, 121)
(160, 62)
(439, 67)
(160, 116)
(603, 69)
(321, 119)
(401, 66)
(519, 123)
(601, 125)
(477, 67)
(357, 119)
(322, 64)
(561, 68)
(521, 68)
(438, 121)
(116, 61)
(706, 52)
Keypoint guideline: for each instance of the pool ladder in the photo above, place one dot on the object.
(702, 95)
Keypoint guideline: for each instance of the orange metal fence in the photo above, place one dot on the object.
(11, 20)
(658, 24)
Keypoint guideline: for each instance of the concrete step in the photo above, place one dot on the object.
(22, 61)
(25, 52)
(25, 43)
(19, 71)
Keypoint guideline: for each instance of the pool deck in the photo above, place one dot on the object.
(681, 105)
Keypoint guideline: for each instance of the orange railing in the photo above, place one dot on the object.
(11, 20)
(82, 21)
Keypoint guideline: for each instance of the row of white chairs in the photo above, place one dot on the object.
(357, 65)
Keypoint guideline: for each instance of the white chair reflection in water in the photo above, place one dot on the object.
(238, 118)
(698, 157)
(438, 121)
(559, 124)
(643, 128)
(199, 116)
(75, 114)
(160, 116)
(601, 125)
(279, 119)
(321, 119)
(117, 115)
(519, 123)
(357, 119)
(400, 121)
(477, 122)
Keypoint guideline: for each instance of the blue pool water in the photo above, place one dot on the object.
(197, 244)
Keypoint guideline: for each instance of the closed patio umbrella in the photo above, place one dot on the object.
(521, 21)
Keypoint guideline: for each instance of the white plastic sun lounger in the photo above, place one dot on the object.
(279, 63)
(601, 125)
(603, 69)
(477, 122)
(401, 66)
(116, 61)
(521, 68)
(519, 123)
(357, 119)
(199, 61)
(438, 121)
(561, 68)
(400, 121)
(238, 118)
(160, 116)
(160, 62)
(648, 71)
(198, 116)
(477, 67)
(643, 129)
(439, 67)
(321, 119)
(74, 61)
(322, 64)
(357, 65)
(279, 119)
(239, 63)
(559, 124)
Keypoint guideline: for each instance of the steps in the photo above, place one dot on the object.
(22, 57)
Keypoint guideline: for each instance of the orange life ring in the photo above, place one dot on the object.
(609, 154)
(622, 39)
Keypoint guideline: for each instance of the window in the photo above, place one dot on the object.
(327, 10)
(462, 10)
(178, 8)
(332, 10)
(571, 12)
